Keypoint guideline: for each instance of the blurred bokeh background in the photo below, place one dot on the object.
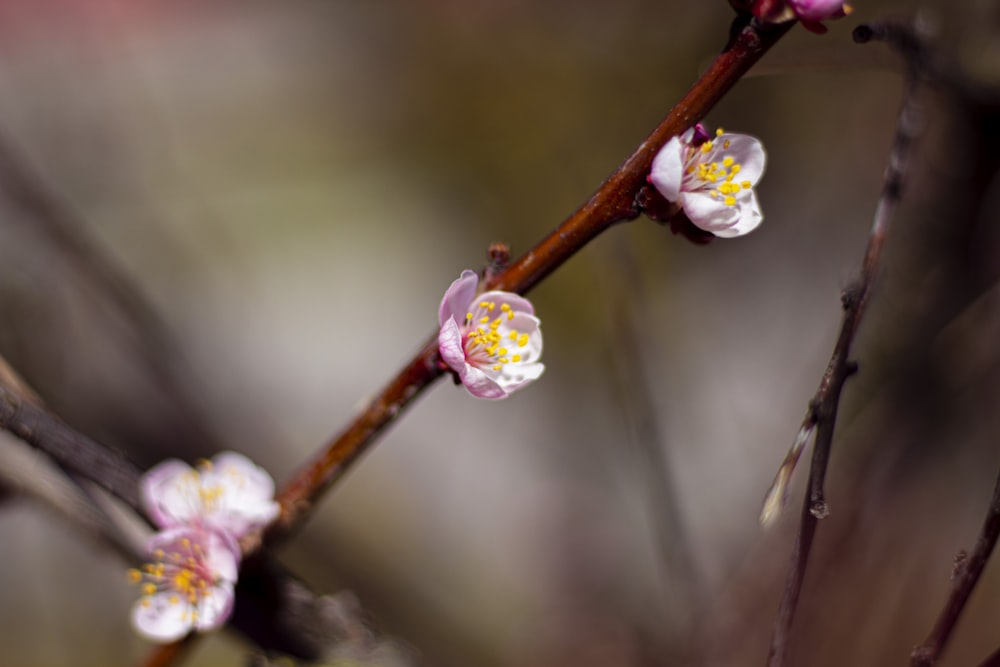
(291, 186)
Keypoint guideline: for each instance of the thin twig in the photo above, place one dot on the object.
(822, 412)
(165, 655)
(56, 221)
(968, 569)
(614, 201)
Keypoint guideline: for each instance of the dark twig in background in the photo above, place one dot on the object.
(968, 569)
(822, 412)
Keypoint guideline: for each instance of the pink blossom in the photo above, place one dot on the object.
(188, 585)
(229, 493)
(492, 341)
(712, 179)
(818, 10)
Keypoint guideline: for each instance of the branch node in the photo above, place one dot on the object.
(818, 508)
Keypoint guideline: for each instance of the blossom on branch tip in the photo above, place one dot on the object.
(712, 179)
(809, 12)
(491, 340)
(819, 10)
(229, 493)
(188, 585)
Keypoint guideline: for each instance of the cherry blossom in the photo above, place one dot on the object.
(188, 585)
(712, 179)
(819, 10)
(491, 340)
(229, 493)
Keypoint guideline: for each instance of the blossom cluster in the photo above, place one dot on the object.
(201, 514)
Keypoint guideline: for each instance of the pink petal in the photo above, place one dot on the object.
(817, 10)
(161, 494)
(480, 384)
(458, 297)
(667, 172)
(450, 345)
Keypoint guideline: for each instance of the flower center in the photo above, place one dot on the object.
(717, 177)
(181, 571)
(485, 344)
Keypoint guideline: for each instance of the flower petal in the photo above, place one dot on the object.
(450, 345)
(215, 607)
(749, 218)
(242, 494)
(458, 297)
(480, 384)
(817, 10)
(667, 172)
(161, 618)
(747, 152)
(516, 302)
(708, 212)
(165, 493)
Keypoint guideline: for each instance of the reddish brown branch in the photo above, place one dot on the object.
(614, 201)
(822, 412)
(968, 569)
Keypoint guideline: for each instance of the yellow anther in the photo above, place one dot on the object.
(522, 340)
(135, 576)
(510, 315)
(503, 360)
(719, 132)
(736, 169)
(725, 145)
(746, 185)
(516, 358)
(174, 599)
(148, 589)
(706, 147)
(505, 307)
(728, 161)
(730, 201)
(145, 602)
(484, 319)
(502, 351)
(513, 335)
(497, 367)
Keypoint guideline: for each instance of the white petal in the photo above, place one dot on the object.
(164, 495)
(747, 152)
(749, 218)
(245, 499)
(667, 172)
(708, 212)
(158, 619)
(215, 608)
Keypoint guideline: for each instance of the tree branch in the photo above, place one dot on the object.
(614, 201)
(821, 415)
(968, 569)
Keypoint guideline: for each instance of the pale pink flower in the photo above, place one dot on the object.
(229, 493)
(818, 10)
(712, 179)
(188, 585)
(491, 340)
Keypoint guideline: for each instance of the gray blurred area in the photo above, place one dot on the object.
(289, 187)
